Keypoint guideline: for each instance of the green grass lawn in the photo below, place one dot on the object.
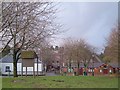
(60, 82)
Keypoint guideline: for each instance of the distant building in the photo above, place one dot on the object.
(97, 67)
(7, 66)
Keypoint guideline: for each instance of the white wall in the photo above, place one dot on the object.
(19, 68)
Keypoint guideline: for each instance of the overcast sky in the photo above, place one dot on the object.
(91, 21)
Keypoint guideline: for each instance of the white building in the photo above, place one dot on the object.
(7, 65)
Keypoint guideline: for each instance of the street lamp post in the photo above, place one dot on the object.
(93, 64)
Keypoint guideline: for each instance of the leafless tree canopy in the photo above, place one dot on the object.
(30, 23)
(111, 50)
(27, 25)
(77, 51)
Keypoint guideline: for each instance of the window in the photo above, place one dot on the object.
(7, 69)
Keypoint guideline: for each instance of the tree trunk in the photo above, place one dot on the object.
(78, 68)
(85, 66)
(15, 69)
(70, 65)
(14, 65)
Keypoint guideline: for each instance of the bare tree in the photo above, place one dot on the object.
(77, 51)
(111, 50)
(68, 52)
(47, 55)
(26, 25)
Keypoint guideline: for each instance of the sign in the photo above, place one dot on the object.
(28, 62)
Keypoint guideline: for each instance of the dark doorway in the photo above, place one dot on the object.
(114, 70)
